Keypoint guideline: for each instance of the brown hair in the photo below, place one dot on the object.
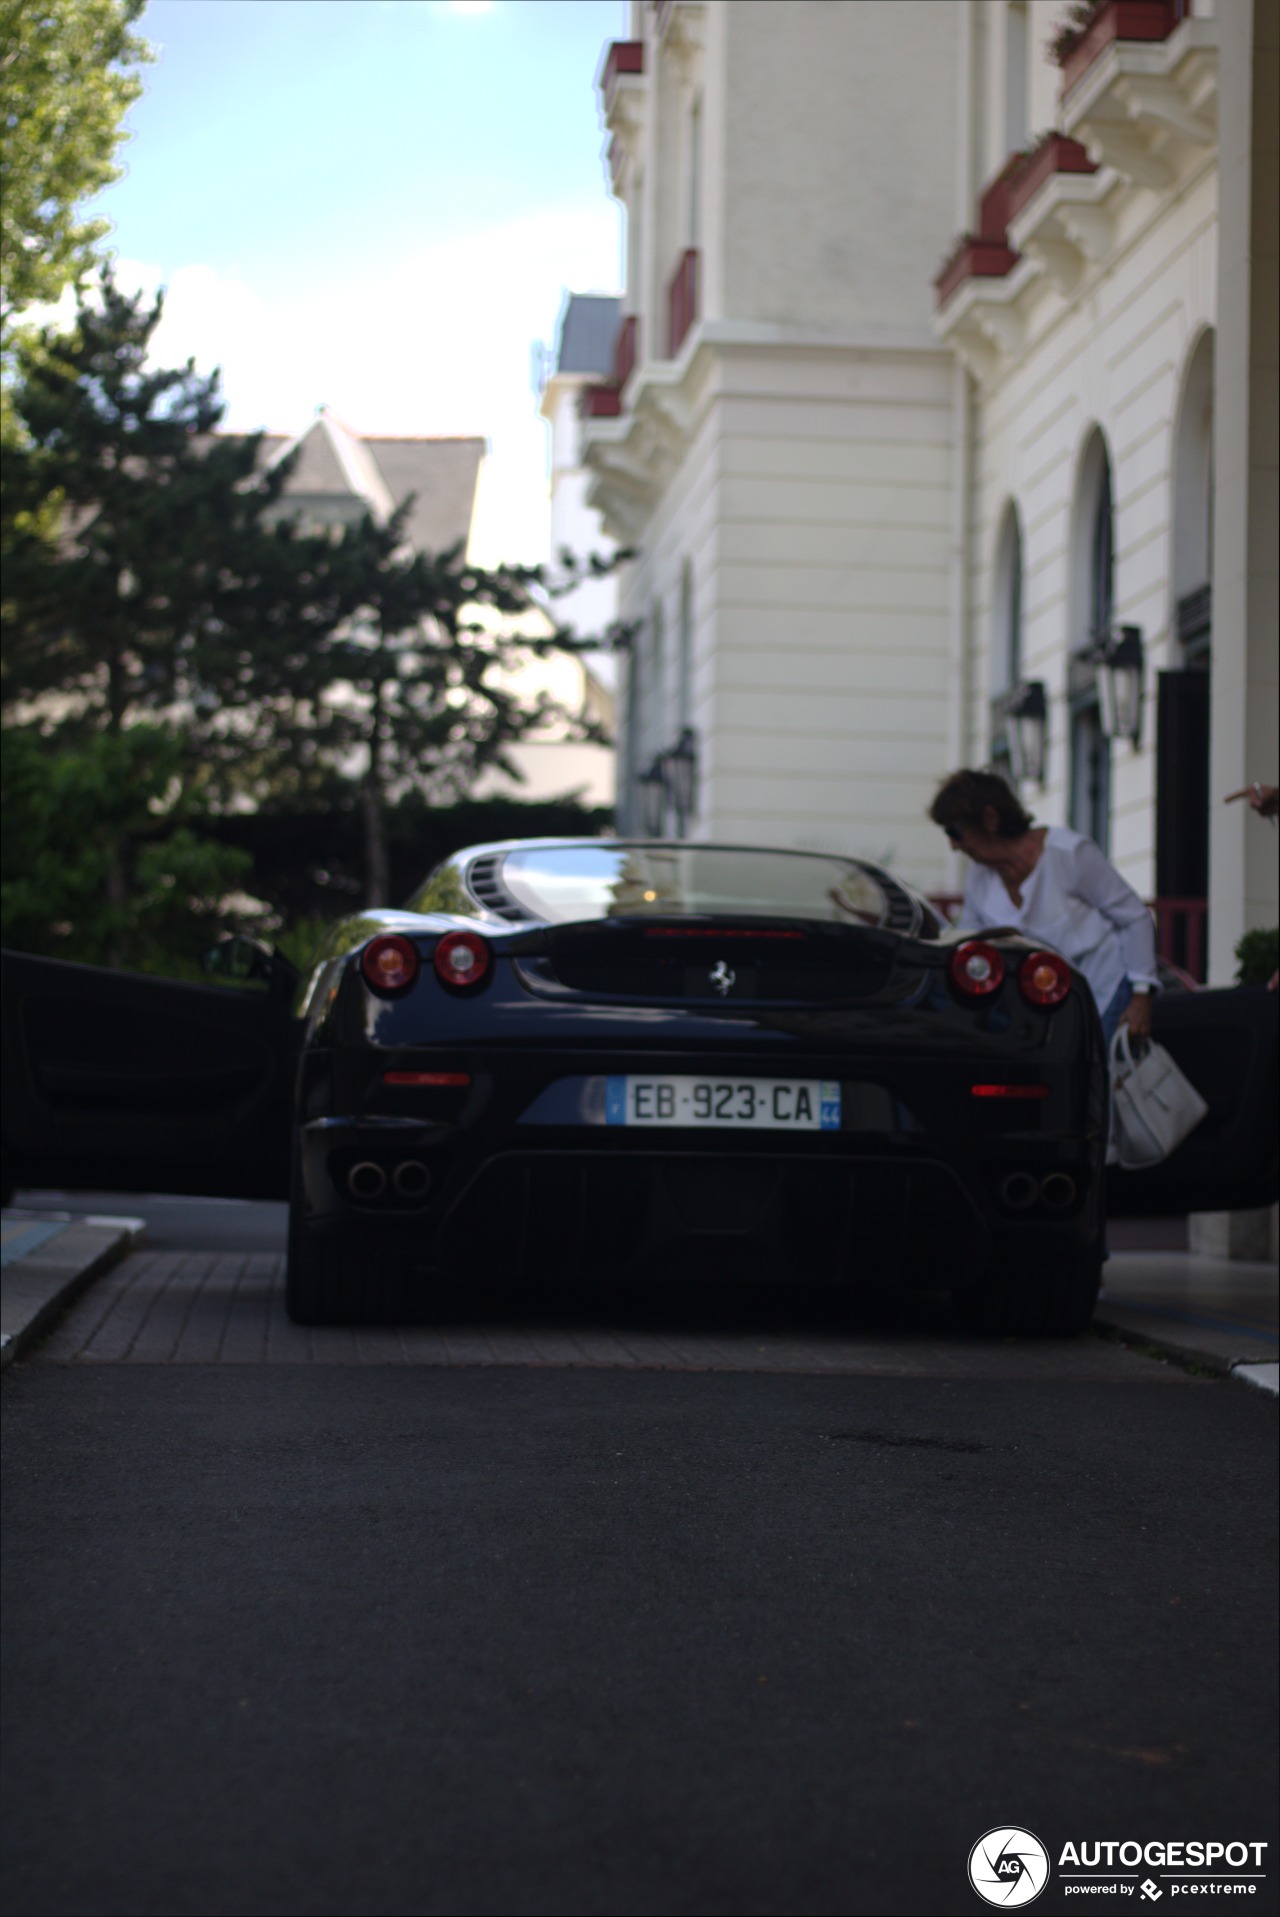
(963, 797)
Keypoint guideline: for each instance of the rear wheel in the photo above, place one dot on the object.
(328, 1282)
(1049, 1293)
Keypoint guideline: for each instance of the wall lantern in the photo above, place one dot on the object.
(1026, 719)
(1117, 666)
(681, 764)
(652, 787)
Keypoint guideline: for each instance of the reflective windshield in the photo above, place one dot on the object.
(562, 883)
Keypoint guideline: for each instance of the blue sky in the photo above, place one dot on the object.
(374, 205)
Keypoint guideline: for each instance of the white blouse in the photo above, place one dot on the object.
(1075, 901)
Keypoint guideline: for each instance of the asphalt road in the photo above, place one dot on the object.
(364, 1637)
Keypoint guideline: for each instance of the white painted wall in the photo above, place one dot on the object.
(838, 148)
(1115, 360)
(810, 499)
(838, 484)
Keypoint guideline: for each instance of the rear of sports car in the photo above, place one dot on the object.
(805, 1084)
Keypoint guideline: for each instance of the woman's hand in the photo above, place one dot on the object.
(1265, 799)
(1137, 1015)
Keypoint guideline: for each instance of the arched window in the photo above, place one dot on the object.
(1006, 634)
(1101, 556)
(1183, 687)
(633, 739)
(1092, 618)
(656, 718)
(1192, 558)
(684, 663)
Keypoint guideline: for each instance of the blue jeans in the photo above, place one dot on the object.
(1111, 1013)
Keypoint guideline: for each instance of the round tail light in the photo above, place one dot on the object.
(389, 964)
(462, 959)
(976, 968)
(1044, 978)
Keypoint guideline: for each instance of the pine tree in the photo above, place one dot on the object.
(284, 665)
(166, 571)
(137, 556)
(415, 690)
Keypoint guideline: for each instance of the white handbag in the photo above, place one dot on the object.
(1153, 1105)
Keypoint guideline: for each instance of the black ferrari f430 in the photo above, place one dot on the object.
(600, 1060)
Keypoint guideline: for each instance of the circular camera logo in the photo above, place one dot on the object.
(1008, 1867)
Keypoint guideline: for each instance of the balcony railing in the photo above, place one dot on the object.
(604, 399)
(1057, 154)
(625, 56)
(1180, 934)
(1116, 20)
(600, 402)
(987, 254)
(682, 301)
(625, 348)
(973, 258)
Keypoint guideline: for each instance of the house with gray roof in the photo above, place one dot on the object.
(340, 475)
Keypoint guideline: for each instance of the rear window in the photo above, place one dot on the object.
(565, 883)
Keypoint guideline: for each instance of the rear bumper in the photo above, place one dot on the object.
(839, 1210)
(514, 1164)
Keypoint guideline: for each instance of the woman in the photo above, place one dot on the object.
(1056, 885)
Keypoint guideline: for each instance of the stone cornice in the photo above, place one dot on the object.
(633, 458)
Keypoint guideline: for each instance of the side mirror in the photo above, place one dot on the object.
(239, 960)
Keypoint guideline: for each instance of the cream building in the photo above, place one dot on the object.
(582, 362)
(945, 387)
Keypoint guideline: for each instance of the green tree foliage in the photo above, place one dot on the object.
(167, 588)
(1258, 956)
(413, 689)
(284, 668)
(310, 864)
(65, 86)
(100, 859)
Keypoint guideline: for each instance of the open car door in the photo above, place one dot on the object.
(1226, 1043)
(117, 1082)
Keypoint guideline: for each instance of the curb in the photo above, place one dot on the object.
(1264, 1377)
(39, 1284)
(1261, 1374)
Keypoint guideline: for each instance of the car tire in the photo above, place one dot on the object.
(324, 1283)
(1048, 1294)
(327, 1284)
(308, 1295)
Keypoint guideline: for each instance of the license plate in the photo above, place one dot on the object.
(724, 1104)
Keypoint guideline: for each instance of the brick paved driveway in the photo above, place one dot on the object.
(200, 1308)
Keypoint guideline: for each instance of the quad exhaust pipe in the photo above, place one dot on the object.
(1020, 1190)
(367, 1180)
(411, 1178)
